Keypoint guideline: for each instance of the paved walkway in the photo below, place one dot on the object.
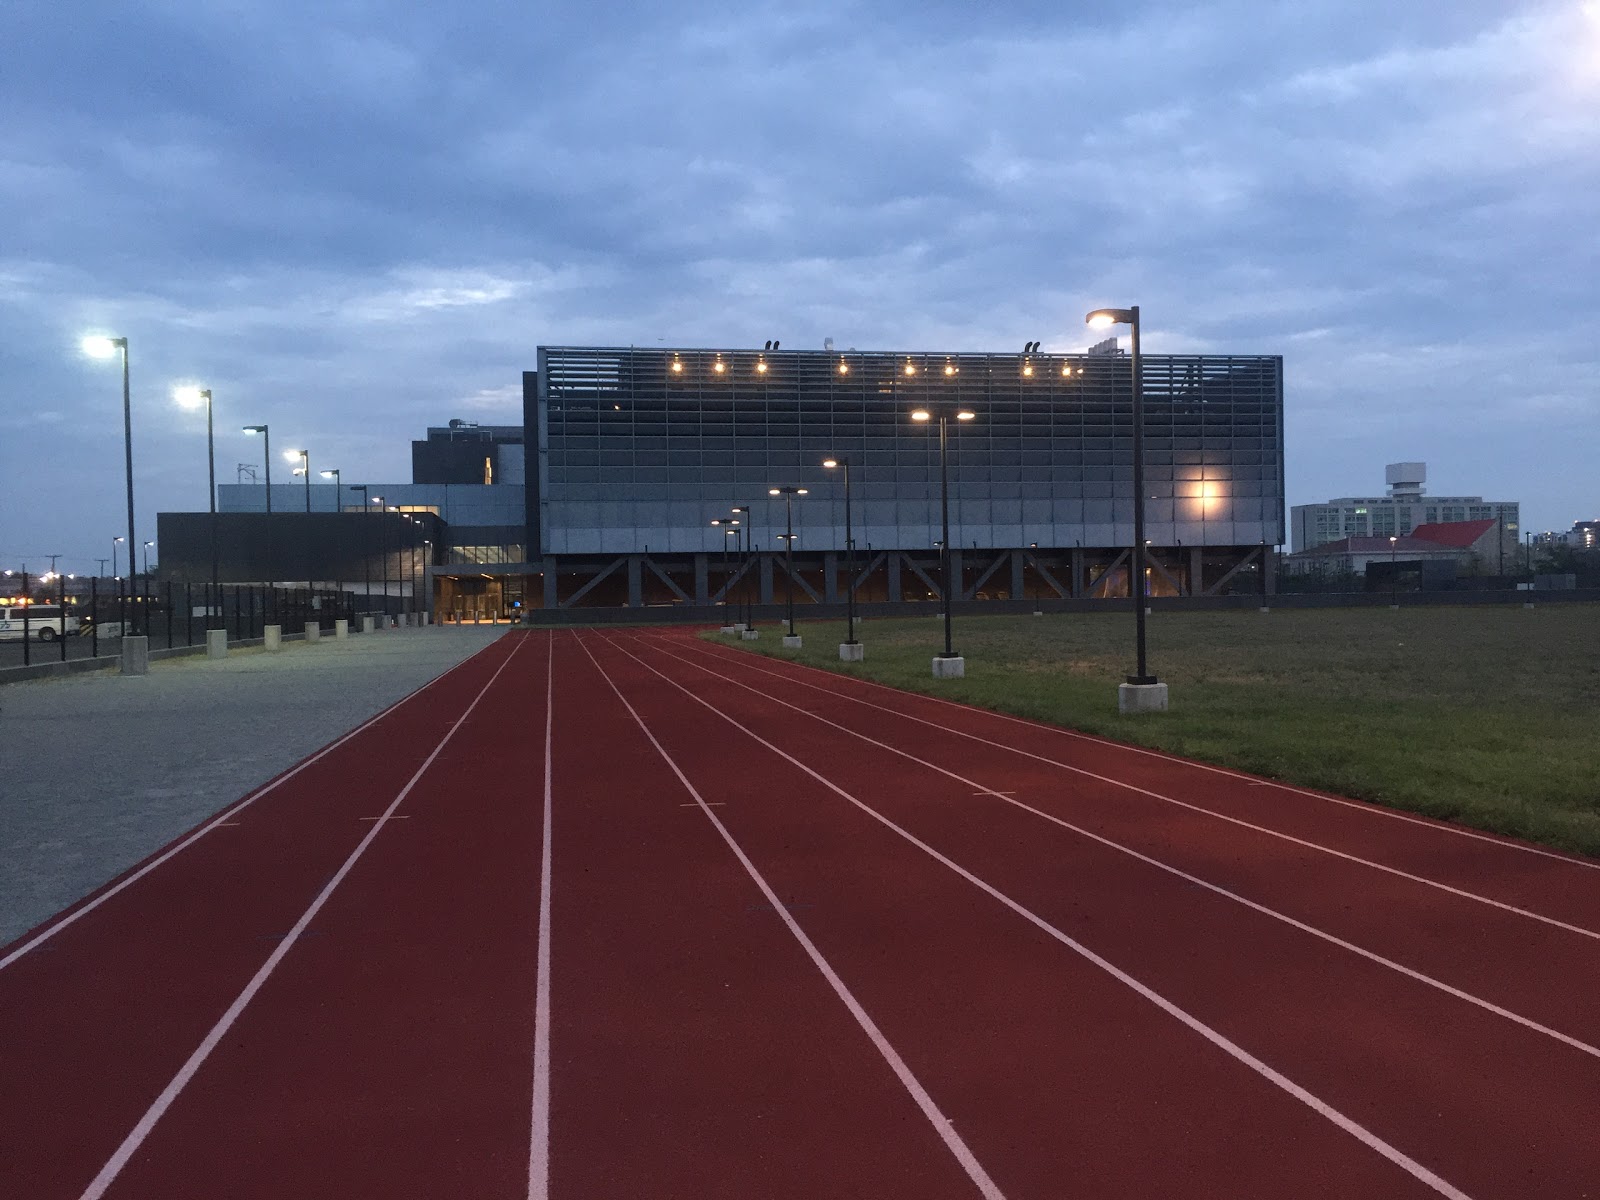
(98, 771)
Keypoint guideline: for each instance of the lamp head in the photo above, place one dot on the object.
(965, 415)
(255, 428)
(118, 540)
(291, 455)
(830, 462)
(1102, 318)
(921, 414)
(772, 491)
(192, 397)
(100, 346)
(330, 473)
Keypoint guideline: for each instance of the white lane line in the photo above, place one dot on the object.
(1368, 808)
(220, 820)
(1415, 1169)
(539, 1139)
(154, 1113)
(942, 1125)
(1332, 939)
(705, 803)
(1210, 812)
(396, 817)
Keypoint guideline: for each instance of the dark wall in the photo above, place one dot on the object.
(436, 461)
(256, 547)
(531, 462)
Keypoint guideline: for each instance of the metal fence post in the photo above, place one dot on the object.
(188, 614)
(61, 584)
(94, 616)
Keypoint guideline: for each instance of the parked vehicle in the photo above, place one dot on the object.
(104, 630)
(43, 622)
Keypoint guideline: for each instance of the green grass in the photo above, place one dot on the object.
(1486, 716)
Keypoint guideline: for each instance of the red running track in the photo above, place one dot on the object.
(624, 914)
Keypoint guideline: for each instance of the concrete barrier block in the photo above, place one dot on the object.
(366, 624)
(313, 632)
(749, 635)
(791, 641)
(1141, 697)
(341, 629)
(954, 667)
(272, 637)
(852, 652)
(216, 643)
(135, 656)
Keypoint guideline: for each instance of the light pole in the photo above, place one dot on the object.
(266, 449)
(191, 397)
(115, 542)
(1394, 575)
(383, 542)
(147, 546)
(788, 494)
(942, 663)
(338, 508)
(1100, 319)
(303, 469)
(106, 347)
(747, 605)
(850, 563)
(366, 557)
(727, 568)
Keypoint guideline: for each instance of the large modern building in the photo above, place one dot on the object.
(607, 493)
(1397, 514)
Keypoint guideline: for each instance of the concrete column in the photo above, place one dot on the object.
(341, 629)
(368, 623)
(136, 655)
(425, 617)
(1197, 571)
(892, 562)
(216, 643)
(702, 580)
(1019, 567)
(830, 579)
(766, 579)
(551, 582)
(1075, 559)
(635, 581)
(313, 632)
(272, 637)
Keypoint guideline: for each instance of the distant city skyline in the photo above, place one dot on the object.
(352, 223)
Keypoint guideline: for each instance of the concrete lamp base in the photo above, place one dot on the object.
(313, 632)
(341, 629)
(954, 667)
(272, 637)
(1529, 604)
(730, 629)
(1037, 613)
(749, 635)
(367, 624)
(216, 643)
(852, 652)
(791, 641)
(1264, 608)
(135, 656)
(1141, 697)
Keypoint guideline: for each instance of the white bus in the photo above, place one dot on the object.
(45, 622)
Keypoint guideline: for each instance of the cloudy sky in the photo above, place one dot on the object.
(353, 219)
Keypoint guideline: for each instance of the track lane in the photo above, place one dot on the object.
(102, 1013)
(390, 1051)
(1560, 887)
(1058, 1076)
(1493, 1107)
(1492, 955)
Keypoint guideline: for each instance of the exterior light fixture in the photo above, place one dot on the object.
(719, 367)
(921, 414)
(677, 365)
(761, 367)
(1027, 369)
(911, 368)
(844, 367)
(950, 368)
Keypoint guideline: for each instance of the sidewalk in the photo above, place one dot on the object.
(98, 771)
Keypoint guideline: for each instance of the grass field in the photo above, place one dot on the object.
(1486, 716)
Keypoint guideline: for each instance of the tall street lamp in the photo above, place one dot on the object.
(748, 605)
(1155, 698)
(147, 546)
(338, 508)
(366, 556)
(1394, 574)
(949, 664)
(850, 651)
(193, 397)
(303, 469)
(791, 639)
(267, 453)
(107, 347)
(732, 531)
(383, 541)
(115, 542)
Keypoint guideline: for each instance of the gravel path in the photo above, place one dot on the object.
(98, 771)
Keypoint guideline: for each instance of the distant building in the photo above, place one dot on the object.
(1399, 514)
(1467, 544)
(1584, 535)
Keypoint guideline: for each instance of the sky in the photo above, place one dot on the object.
(352, 220)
